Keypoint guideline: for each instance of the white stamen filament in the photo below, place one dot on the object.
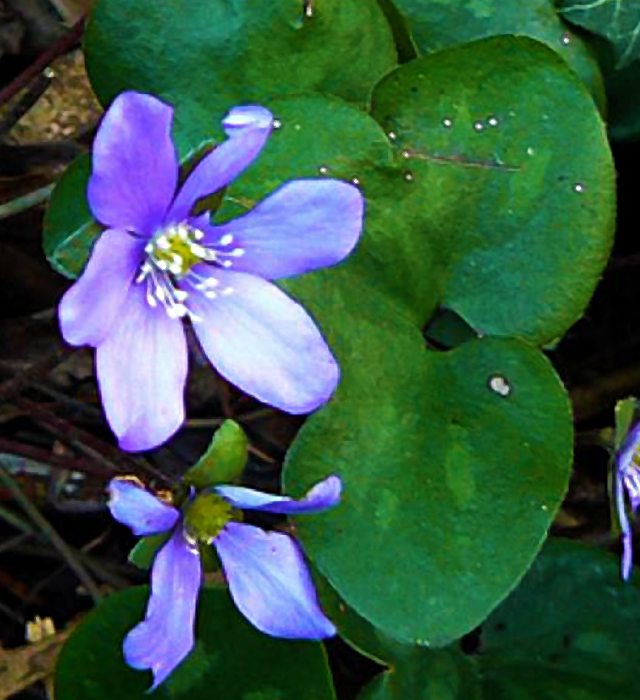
(170, 257)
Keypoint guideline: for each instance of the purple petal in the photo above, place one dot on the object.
(165, 637)
(625, 528)
(270, 583)
(628, 448)
(90, 306)
(142, 369)
(324, 495)
(265, 343)
(138, 509)
(248, 128)
(305, 225)
(135, 168)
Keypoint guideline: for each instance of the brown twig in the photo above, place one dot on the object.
(39, 454)
(58, 48)
(15, 384)
(31, 95)
(87, 443)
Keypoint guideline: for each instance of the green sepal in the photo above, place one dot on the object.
(224, 461)
(144, 552)
(626, 412)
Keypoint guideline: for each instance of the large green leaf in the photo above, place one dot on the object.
(453, 466)
(568, 632)
(320, 137)
(615, 21)
(231, 659)
(509, 226)
(513, 181)
(616, 26)
(218, 53)
(439, 24)
(442, 674)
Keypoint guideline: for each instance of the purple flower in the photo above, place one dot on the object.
(158, 263)
(628, 480)
(266, 572)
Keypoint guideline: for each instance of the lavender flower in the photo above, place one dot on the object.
(158, 263)
(266, 572)
(628, 480)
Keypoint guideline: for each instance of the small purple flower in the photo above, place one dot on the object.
(628, 480)
(158, 263)
(265, 571)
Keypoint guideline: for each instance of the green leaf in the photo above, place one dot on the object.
(617, 22)
(440, 24)
(220, 54)
(453, 467)
(69, 229)
(144, 551)
(422, 674)
(568, 632)
(225, 458)
(91, 664)
(326, 137)
(513, 182)
(624, 115)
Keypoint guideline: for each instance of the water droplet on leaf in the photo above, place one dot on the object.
(566, 39)
(447, 123)
(323, 170)
(478, 126)
(530, 151)
(392, 136)
(579, 187)
(500, 385)
(408, 176)
(355, 181)
(492, 121)
(277, 124)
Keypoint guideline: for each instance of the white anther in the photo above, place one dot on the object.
(163, 243)
(162, 265)
(226, 291)
(148, 248)
(198, 235)
(237, 252)
(175, 268)
(180, 295)
(197, 250)
(211, 295)
(227, 239)
(226, 263)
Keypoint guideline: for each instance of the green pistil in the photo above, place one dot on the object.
(207, 515)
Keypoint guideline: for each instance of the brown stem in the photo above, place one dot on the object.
(58, 48)
(48, 457)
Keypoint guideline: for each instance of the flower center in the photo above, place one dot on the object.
(207, 515)
(177, 250)
(170, 257)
